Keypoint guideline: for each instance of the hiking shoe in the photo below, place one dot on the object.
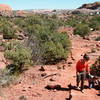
(78, 88)
(82, 91)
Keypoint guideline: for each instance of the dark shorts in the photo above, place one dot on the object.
(81, 76)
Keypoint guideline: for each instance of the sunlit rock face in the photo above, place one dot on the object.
(4, 7)
(5, 10)
(92, 6)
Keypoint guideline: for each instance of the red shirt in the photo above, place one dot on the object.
(82, 66)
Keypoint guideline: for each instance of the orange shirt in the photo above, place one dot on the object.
(82, 66)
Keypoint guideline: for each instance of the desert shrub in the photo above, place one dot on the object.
(55, 47)
(53, 52)
(82, 30)
(95, 69)
(20, 55)
(95, 22)
(6, 78)
(42, 20)
(71, 22)
(8, 32)
(12, 44)
(42, 32)
(95, 25)
(6, 28)
(47, 45)
(74, 20)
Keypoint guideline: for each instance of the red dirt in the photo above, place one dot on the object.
(32, 85)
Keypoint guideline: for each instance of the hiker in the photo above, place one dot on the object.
(82, 69)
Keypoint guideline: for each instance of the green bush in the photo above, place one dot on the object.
(20, 55)
(82, 30)
(95, 25)
(13, 44)
(6, 78)
(47, 45)
(53, 52)
(74, 20)
(8, 32)
(7, 28)
(43, 39)
(95, 22)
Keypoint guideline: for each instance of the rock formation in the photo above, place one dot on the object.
(92, 6)
(5, 10)
(4, 7)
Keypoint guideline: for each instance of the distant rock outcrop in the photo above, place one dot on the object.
(5, 10)
(4, 7)
(20, 13)
(92, 6)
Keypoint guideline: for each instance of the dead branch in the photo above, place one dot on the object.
(51, 75)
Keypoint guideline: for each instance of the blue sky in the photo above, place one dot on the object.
(45, 4)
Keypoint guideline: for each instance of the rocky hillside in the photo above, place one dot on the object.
(5, 10)
(92, 6)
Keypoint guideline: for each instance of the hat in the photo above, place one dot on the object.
(86, 57)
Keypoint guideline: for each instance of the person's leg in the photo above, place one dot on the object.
(82, 80)
(90, 85)
(78, 80)
(93, 84)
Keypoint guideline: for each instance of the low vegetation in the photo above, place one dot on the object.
(83, 24)
(95, 22)
(6, 78)
(95, 69)
(82, 30)
(47, 45)
(44, 44)
(18, 54)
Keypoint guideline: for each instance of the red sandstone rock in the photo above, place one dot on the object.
(4, 7)
(92, 6)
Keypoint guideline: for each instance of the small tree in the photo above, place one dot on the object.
(20, 56)
(56, 48)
